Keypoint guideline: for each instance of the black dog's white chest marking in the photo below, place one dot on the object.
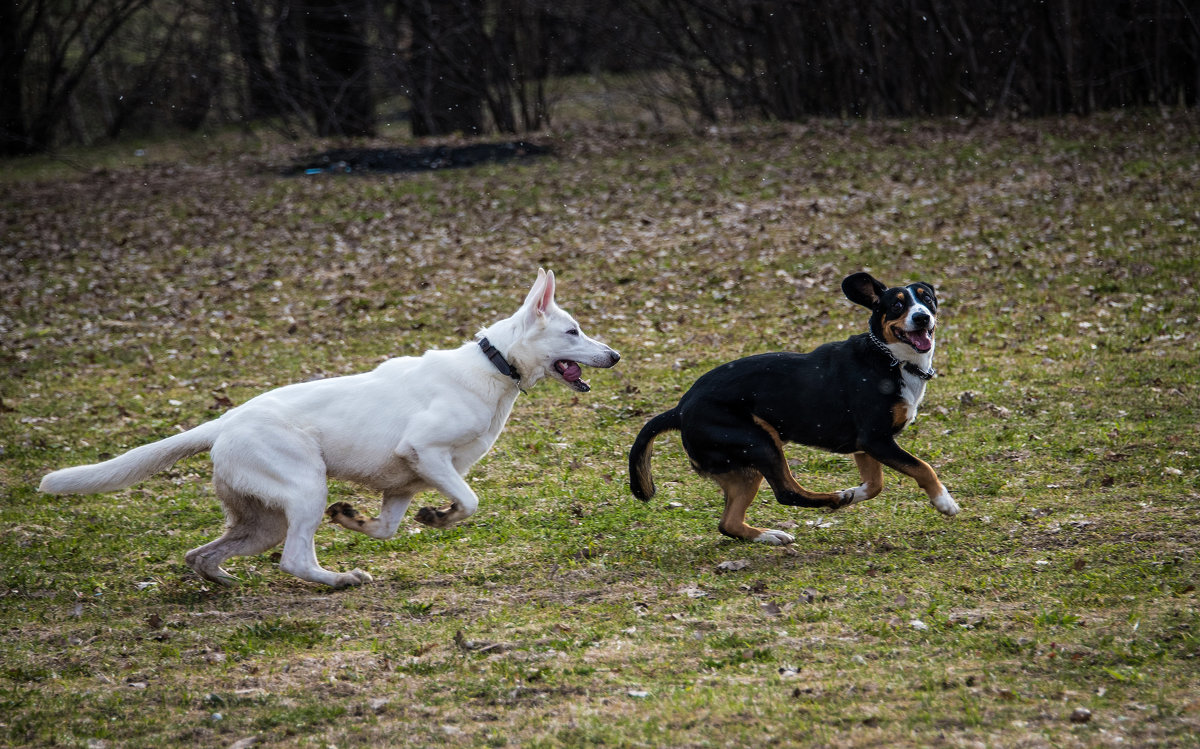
(912, 390)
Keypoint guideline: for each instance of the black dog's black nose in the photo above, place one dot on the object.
(921, 319)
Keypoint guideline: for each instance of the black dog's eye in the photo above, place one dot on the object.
(897, 306)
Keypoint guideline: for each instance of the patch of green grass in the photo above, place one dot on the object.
(273, 636)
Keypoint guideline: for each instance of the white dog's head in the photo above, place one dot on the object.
(546, 341)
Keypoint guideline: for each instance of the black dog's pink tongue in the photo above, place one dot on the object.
(920, 340)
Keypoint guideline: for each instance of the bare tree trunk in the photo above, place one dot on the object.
(292, 83)
(448, 82)
(261, 91)
(504, 83)
(339, 68)
(14, 139)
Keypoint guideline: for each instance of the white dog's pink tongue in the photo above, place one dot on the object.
(569, 370)
(920, 340)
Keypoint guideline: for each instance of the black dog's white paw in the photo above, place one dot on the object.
(945, 504)
(772, 537)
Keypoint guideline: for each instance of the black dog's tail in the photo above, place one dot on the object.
(640, 481)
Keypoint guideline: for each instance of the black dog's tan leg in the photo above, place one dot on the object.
(740, 488)
(927, 479)
(871, 472)
(774, 466)
(895, 457)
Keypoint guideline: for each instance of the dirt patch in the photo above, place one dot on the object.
(394, 160)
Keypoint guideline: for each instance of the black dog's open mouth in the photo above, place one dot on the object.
(920, 340)
(572, 374)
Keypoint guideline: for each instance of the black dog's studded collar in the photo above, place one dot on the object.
(498, 361)
(906, 366)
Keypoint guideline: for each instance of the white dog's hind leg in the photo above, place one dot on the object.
(384, 526)
(300, 554)
(305, 507)
(283, 470)
(251, 528)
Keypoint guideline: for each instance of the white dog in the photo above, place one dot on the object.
(411, 424)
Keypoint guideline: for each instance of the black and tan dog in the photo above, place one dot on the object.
(852, 396)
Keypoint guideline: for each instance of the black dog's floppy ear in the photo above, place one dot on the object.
(862, 288)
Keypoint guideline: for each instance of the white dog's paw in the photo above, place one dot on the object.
(772, 537)
(352, 578)
(433, 517)
(204, 567)
(945, 504)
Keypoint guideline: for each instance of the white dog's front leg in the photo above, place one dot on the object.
(463, 504)
(384, 526)
(436, 468)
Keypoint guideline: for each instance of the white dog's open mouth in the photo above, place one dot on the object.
(572, 374)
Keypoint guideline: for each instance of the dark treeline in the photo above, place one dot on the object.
(789, 59)
(83, 70)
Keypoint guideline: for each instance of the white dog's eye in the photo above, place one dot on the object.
(572, 331)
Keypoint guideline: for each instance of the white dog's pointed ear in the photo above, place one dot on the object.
(541, 296)
(547, 294)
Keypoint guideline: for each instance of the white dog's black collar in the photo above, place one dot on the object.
(497, 359)
(907, 366)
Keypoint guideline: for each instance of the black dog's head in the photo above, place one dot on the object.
(902, 314)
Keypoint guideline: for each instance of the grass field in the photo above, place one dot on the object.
(1059, 609)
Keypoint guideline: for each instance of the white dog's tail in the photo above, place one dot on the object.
(133, 466)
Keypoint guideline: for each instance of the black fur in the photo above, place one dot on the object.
(841, 397)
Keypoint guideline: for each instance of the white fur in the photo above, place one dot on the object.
(944, 503)
(772, 537)
(411, 424)
(854, 495)
(912, 388)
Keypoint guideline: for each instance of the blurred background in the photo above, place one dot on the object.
(78, 72)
